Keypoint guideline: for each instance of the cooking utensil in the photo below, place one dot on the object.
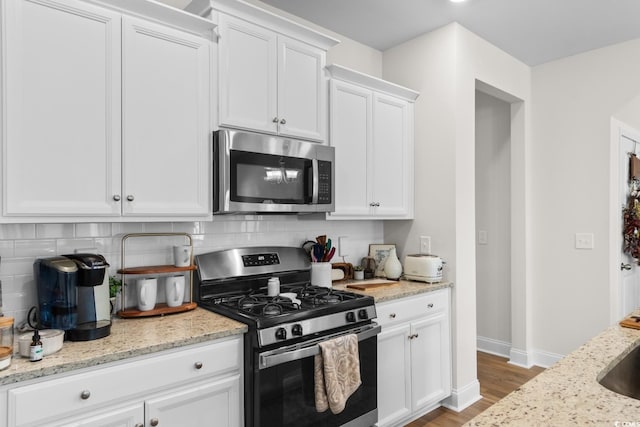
(328, 255)
(318, 252)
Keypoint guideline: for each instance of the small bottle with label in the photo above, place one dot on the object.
(35, 350)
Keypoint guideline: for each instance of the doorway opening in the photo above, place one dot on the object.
(493, 224)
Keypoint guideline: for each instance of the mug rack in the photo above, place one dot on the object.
(160, 308)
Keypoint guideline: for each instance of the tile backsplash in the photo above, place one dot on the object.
(21, 244)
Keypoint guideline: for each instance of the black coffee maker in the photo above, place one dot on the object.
(73, 295)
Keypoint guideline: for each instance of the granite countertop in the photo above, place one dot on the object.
(128, 338)
(395, 290)
(568, 393)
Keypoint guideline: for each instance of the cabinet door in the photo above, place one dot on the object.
(208, 403)
(351, 127)
(394, 376)
(128, 416)
(302, 90)
(247, 76)
(430, 361)
(166, 121)
(61, 145)
(391, 172)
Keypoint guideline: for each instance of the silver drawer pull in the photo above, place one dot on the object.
(139, 425)
(85, 394)
(430, 305)
(392, 315)
(198, 365)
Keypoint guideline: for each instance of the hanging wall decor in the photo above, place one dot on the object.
(631, 213)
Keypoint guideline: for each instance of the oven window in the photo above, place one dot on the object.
(286, 396)
(258, 177)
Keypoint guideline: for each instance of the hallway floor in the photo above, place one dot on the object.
(497, 379)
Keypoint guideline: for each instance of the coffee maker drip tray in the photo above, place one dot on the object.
(89, 331)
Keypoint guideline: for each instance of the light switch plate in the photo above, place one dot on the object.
(584, 240)
(482, 237)
(425, 244)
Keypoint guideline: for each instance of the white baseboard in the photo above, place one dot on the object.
(464, 397)
(520, 358)
(545, 359)
(491, 346)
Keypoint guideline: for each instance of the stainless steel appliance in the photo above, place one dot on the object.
(73, 295)
(261, 173)
(283, 335)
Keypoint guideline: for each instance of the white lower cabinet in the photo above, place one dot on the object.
(183, 388)
(414, 357)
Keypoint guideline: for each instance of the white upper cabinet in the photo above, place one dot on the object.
(166, 126)
(61, 142)
(105, 116)
(270, 70)
(371, 128)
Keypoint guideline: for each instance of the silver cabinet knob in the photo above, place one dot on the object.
(116, 197)
(275, 120)
(198, 365)
(624, 266)
(154, 422)
(139, 425)
(283, 122)
(85, 394)
(130, 198)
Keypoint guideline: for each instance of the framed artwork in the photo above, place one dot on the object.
(380, 253)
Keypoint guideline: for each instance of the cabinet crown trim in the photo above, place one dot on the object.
(259, 16)
(161, 13)
(347, 74)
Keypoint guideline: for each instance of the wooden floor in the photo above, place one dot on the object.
(497, 379)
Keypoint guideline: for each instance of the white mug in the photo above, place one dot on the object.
(174, 290)
(182, 255)
(147, 290)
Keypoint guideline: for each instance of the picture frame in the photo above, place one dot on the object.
(380, 252)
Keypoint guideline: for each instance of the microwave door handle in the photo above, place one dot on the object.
(269, 360)
(316, 181)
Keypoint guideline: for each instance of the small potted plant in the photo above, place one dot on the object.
(358, 272)
(115, 287)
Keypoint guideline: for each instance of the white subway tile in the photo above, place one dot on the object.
(93, 230)
(6, 248)
(35, 248)
(17, 231)
(68, 246)
(54, 231)
(119, 228)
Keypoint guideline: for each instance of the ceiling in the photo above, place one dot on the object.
(534, 31)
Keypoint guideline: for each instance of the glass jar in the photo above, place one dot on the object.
(6, 341)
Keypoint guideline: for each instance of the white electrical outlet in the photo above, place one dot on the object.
(584, 240)
(482, 237)
(342, 249)
(425, 244)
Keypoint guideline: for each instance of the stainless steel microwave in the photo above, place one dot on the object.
(262, 173)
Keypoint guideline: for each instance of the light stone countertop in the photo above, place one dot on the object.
(568, 393)
(401, 289)
(128, 338)
(137, 337)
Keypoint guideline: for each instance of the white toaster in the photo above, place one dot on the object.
(423, 268)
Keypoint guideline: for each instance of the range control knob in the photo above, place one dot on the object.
(296, 330)
(362, 314)
(281, 334)
(351, 317)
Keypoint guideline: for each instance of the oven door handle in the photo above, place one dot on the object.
(316, 181)
(289, 354)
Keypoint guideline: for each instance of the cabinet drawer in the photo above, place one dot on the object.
(93, 389)
(402, 310)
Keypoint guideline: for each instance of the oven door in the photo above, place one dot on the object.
(284, 385)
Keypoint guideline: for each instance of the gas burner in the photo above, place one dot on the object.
(271, 309)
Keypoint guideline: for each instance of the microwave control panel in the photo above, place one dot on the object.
(324, 182)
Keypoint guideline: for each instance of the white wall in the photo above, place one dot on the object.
(574, 99)
(493, 216)
(444, 66)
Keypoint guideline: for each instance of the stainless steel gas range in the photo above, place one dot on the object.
(284, 333)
